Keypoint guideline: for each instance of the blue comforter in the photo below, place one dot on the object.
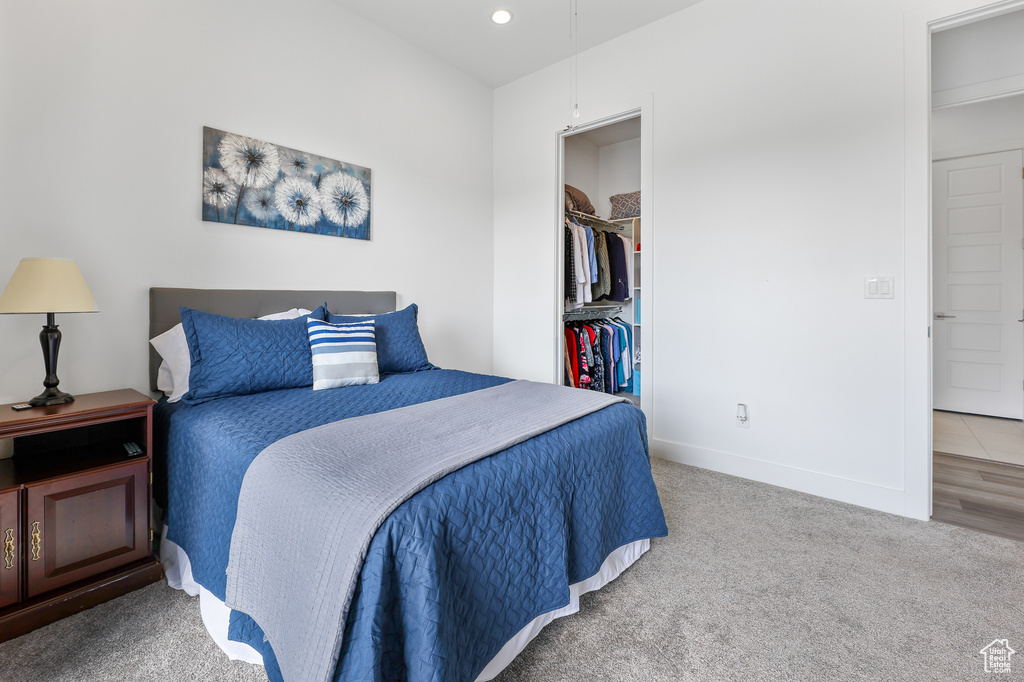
(461, 566)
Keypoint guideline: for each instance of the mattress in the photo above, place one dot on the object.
(461, 568)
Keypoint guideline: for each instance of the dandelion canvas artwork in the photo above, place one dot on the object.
(250, 182)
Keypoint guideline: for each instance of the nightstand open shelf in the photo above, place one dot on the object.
(75, 522)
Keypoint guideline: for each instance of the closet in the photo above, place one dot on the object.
(601, 338)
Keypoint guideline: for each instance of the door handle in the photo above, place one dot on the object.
(944, 316)
(36, 541)
(9, 549)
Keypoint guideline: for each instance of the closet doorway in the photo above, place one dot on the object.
(604, 292)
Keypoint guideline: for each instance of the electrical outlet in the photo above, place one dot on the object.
(742, 416)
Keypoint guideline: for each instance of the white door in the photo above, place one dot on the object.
(978, 284)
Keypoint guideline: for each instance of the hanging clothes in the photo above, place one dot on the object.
(575, 252)
(626, 345)
(584, 252)
(572, 366)
(616, 351)
(582, 262)
(603, 286)
(586, 359)
(591, 254)
(597, 384)
(598, 355)
(608, 367)
(618, 268)
(627, 244)
(569, 269)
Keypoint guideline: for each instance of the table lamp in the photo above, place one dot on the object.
(50, 286)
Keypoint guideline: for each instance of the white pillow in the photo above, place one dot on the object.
(287, 315)
(173, 348)
(164, 380)
(172, 376)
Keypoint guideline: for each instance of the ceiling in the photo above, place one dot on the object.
(461, 33)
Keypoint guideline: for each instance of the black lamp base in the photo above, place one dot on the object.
(49, 339)
(51, 396)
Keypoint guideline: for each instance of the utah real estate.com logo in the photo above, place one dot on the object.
(997, 656)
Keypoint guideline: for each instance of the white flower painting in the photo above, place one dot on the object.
(218, 189)
(344, 199)
(298, 200)
(250, 182)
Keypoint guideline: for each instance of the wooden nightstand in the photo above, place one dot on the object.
(75, 527)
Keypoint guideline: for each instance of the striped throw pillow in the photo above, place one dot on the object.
(343, 354)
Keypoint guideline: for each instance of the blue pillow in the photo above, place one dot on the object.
(238, 356)
(399, 346)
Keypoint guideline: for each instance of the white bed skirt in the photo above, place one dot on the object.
(178, 571)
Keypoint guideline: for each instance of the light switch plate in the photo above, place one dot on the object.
(880, 287)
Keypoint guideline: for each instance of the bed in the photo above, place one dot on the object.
(460, 576)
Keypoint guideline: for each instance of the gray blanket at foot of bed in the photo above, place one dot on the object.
(311, 503)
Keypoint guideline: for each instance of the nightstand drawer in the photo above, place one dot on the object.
(85, 524)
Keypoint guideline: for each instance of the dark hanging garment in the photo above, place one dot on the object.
(581, 357)
(585, 357)
(598, 365)
(603, 286)
(609, 360)
(570, 267)
(617, 266)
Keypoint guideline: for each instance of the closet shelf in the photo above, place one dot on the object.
(592, 312)
(595, 220)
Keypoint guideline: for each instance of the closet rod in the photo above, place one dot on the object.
(594, 219)
(592, 313)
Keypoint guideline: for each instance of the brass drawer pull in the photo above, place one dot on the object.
(9, 549)
(35, 541)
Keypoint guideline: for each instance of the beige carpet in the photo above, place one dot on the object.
(753, 583)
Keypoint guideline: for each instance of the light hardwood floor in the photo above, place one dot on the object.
(987, 438)
(979, 494)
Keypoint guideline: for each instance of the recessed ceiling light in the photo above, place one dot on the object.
(502, 16)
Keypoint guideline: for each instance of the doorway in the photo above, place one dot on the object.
(978, 240)
(977, 277)
(977, 299)
(978, 284)
(606, 163)
(977, 302)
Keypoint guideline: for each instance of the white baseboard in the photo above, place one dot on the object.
(822, 485)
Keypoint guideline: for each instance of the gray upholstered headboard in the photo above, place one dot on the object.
(164, 304)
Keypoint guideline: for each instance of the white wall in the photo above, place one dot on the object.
(978, 128)
(601, 172)
(620, 173)
(979, 52)
(583, 166)
(102, 106)
(778, 176)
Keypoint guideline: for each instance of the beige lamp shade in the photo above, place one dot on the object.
(47, 285)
